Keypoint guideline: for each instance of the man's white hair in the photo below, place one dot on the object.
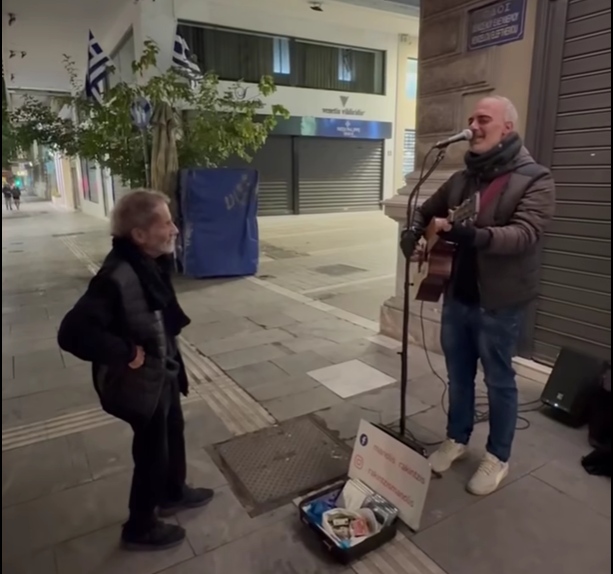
(510, 111)
(135, 210)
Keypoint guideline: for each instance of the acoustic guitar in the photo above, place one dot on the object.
(434, 256)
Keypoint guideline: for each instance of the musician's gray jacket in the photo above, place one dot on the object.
(510, 230)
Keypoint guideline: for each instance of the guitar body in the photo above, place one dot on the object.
(434, 257)
(434, 268)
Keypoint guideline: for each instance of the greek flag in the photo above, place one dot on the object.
(97, 64)
(182, 58)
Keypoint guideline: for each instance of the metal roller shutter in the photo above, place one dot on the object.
(274, 163)
(339, 175)
(408, 158)
(574, 308)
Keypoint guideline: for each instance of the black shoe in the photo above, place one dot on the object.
(192, 498)
(160, 536)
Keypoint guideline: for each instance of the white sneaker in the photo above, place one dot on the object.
(489, 476)
(450, 451)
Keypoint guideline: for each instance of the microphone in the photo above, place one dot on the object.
(464, 136)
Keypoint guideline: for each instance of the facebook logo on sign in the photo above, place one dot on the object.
(363, 440)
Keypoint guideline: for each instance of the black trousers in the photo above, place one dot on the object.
(160, 466)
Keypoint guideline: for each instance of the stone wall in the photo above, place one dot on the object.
(451, 80)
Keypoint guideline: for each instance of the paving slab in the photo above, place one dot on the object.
(44, 381)
(242, 342)
(281, 388)
(62, 516)
(223, 521)
(48, 404)
(525, 528)
(100, 553)
(300, 363)
(568, 477)
(351, 378)
(304, 403)
(280, 548)
(335, 330)
(261, 373)
(42, 469)
(248, 356)
(65, 498)
(386, 402)
(200, 334)
(41, 563)
(34, 363)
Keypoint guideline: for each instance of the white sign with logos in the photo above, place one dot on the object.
(393, 470)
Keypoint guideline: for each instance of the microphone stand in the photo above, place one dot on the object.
(404, 352)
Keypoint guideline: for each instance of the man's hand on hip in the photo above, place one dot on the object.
(139, 359)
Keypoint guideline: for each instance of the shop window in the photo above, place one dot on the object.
(281, 55)
(408, 157)
(411, 79)
(237, 55)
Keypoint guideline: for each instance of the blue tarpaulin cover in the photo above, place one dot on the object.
(219, 226)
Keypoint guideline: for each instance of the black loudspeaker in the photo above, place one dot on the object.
(573, 381)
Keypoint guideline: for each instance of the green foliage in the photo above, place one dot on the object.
(9, 148)
(214, 124)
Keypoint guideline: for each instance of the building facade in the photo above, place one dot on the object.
(341, 73)
(352, 137)
(562, 90)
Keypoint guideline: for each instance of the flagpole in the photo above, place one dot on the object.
(143, 134)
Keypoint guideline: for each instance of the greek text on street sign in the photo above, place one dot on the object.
(496, 24)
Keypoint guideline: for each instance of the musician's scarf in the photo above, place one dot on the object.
(495, 162)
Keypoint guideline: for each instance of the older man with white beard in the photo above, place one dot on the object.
(126, 325)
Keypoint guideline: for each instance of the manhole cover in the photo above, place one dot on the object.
(338, 270)
(272, 467)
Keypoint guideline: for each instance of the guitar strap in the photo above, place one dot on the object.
(493, 191)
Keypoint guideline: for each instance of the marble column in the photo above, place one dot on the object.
(451, 80)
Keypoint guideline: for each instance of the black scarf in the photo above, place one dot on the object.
(154, 276)
(495, 162)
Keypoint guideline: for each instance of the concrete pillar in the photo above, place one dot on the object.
(405, 104)
(156, 21)
(451, 80)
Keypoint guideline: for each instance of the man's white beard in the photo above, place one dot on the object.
(168, 248)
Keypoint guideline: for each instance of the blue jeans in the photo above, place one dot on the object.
(470, 333)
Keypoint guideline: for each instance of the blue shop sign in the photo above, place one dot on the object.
(310, 126)
(496, 24)
(356, 129)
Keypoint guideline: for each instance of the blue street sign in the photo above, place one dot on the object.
(496, 24)
(141, 112)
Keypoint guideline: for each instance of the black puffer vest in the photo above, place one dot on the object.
(133, 394)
